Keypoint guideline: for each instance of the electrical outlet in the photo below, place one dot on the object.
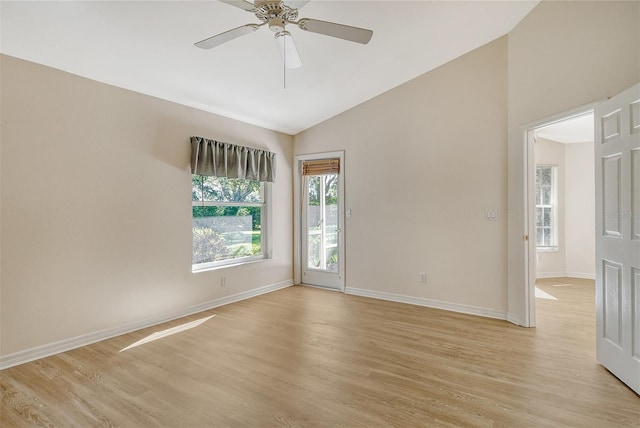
(223, 281)
(423, 277)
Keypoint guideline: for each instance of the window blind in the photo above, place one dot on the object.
(321, 167)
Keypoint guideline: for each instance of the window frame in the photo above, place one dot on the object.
(553, 207)
(265, 230)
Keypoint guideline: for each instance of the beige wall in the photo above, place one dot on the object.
(580, 210)
(576, 210)
(96, 207)
(553, 263)
(561, 56)
(423, 163)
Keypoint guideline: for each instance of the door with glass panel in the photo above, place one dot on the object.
(322, 258)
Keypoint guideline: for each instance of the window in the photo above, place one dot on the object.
(322, 222)
(546, 207)
(229, 217)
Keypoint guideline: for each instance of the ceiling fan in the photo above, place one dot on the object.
(276, 14)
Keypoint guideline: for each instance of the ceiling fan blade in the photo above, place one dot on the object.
(242, 4)
(297, 4)
(221, 38)
(288, 50)
(346, 32)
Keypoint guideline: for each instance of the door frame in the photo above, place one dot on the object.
(529, 188)
(297, 213)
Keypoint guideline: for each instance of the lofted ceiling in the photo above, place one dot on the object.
(147, 46)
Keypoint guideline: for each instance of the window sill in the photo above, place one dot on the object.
(547, 249)
(228, 265)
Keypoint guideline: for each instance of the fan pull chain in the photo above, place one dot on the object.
(284, 65)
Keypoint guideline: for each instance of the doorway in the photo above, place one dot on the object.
(319, 220)
(560, 204)
(617, 207)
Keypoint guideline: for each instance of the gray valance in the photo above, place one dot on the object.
(219, 159)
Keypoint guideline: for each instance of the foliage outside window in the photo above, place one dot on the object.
(228, 221)
(322, 220)
(546, 207)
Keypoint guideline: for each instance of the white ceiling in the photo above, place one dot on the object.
(147, 46)
(577, 129)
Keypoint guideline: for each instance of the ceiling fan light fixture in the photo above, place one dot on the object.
(276, 24)
(288, 50)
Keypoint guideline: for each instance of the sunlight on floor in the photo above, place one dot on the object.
(168, 332)
(544, 295)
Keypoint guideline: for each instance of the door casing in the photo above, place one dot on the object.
(529, 184)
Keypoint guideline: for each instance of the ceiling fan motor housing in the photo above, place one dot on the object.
(275, 13)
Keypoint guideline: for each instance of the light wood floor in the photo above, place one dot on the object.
(303, 357)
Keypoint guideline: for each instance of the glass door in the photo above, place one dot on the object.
(321, 231)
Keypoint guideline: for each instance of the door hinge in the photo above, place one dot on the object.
(526, 237)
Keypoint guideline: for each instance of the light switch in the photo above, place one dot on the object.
(491, 215)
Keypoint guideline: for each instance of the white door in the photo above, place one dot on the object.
(617, 154)
(322, 217)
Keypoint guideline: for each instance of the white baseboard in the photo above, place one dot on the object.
(430, 303)
(544, 275)
(580, 275)
(514, 318)
(47, 350)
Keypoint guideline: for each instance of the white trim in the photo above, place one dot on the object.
(527, 139)
(240, 262)
(64, 345)
(544, 275)
(297, 214)
(429, 303)
(205, 267)
(579, 275)
(529, 319)
(514, 319)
